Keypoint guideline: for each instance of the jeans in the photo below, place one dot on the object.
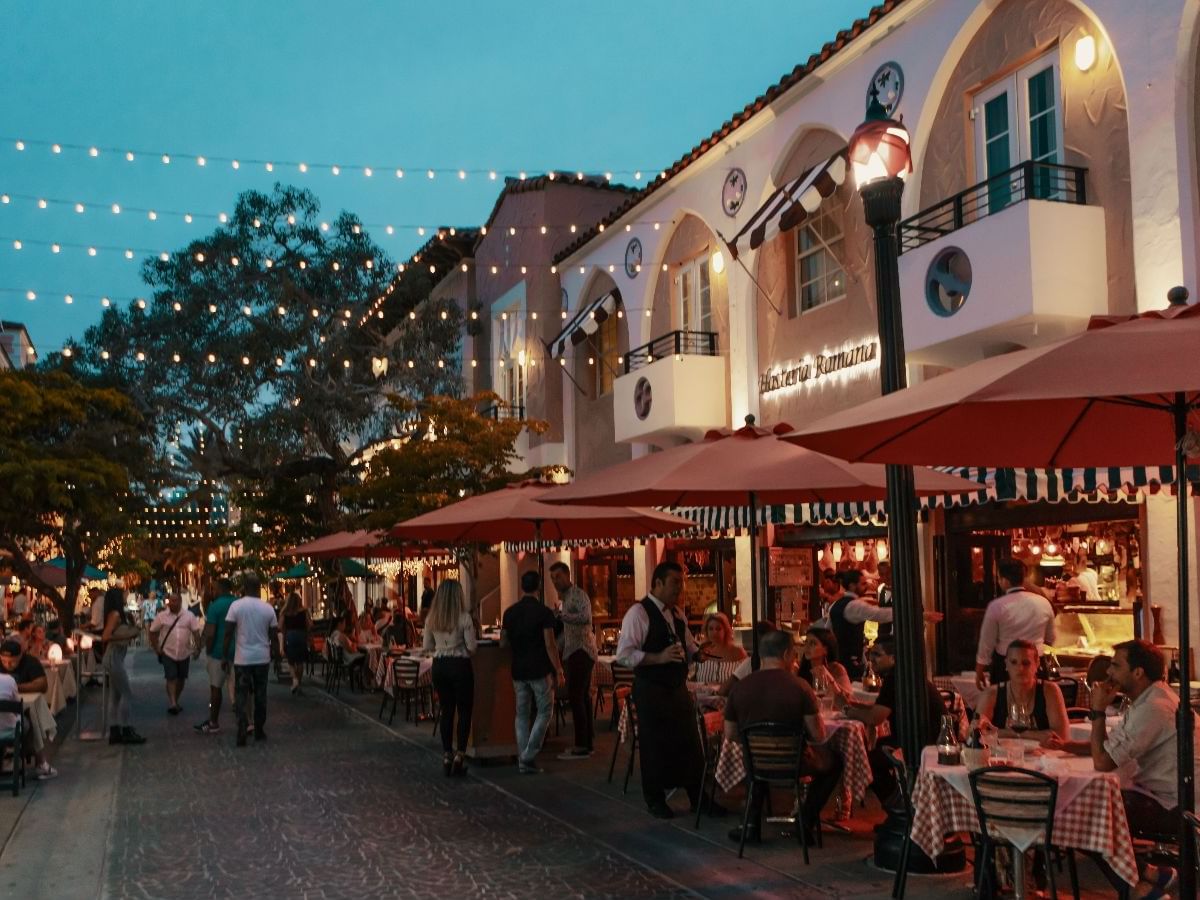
(529, 739)
(454, 681)
(251, 682)
(579, 689)
(120, 693)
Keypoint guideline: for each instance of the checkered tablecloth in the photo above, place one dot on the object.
(602, 672)
(1091, 819)
(846, 737)
(385, 677)
(714, 721)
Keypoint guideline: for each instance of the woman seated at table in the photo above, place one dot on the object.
(719, 643)
(367, 633)
(1024, 695)
(340, 637)
(819, 663)
(38, 645)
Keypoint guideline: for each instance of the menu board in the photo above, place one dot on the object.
(790, 567)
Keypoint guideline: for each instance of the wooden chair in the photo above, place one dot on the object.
(14, 739)
(406, 677)
(774, 756)
(1016, 797)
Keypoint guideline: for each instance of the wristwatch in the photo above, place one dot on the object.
(1094, 714)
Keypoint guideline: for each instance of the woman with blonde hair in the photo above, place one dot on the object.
(451, 634)
(719, 641)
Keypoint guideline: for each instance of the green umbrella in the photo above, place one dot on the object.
(89, 572)
(300, 570)
(352, 568)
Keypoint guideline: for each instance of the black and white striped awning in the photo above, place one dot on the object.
(791, 204)
(585, 322)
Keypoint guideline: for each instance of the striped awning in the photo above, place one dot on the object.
(1078, 485)
(791, 204)
(585, 322)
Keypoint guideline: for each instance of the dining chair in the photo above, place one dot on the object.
(710, 745)
(623, 685)
(1070, 690)
(774, 757)
(1077, 713)
(406, 678)
(14, 739)
(895, 758)
(335, 668)
(1008, 796)
(631, 734)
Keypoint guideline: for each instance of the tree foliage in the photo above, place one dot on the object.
(70, 460)
(450, 452)
(259, 353)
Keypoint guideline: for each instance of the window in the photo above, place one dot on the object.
(820, 277)
(512, 384)
(1017, 119)
(604, 345)
(693, 295)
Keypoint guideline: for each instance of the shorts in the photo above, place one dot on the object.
(175, 669)
(216, 672)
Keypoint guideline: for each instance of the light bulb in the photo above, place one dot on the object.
(166, 160)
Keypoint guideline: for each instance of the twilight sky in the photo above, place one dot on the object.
(520, 85)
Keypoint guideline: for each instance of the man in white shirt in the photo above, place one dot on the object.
(1144, 740)
(175, 637)
(1016, 615)
(850, 612)
(251, 629)
(20, 604)
(1086, 579)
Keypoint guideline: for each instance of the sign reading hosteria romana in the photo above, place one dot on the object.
(819, 366)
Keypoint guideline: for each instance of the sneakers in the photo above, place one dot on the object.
(575, 753)
(529, 768)
(207, 728)
(45, 772)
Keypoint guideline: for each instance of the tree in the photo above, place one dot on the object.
(264, 356)
(70, 460)
(451, 452)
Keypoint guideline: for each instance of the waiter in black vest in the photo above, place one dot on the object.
(849, 614)
(656, 643)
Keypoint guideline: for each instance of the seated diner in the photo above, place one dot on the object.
(1025, 706)
(819, 665)
(719, 642)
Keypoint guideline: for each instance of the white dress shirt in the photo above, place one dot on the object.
(636, 625)
(858, 610)
(1016, 615)
(1088, 582)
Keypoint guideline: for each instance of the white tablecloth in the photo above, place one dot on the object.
(60, 684)
(39, 716)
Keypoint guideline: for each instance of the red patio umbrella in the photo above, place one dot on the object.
(1124, 392)
(745, 467)
(349, 543)
(517, 513)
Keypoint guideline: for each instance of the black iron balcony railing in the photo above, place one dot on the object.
(673, 343)
(1025, 181)
(503, 411)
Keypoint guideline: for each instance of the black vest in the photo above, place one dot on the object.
(886, 598)
(850, 637)
(658, 638)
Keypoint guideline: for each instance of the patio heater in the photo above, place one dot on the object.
(881, 160)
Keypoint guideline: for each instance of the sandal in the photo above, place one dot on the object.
(446, 764)
(460, 764)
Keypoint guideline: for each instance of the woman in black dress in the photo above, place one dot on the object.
(293, 625)
(1035, 707)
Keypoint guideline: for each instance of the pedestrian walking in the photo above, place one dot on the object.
(579, 656)
(214, 646)
(175, 637)
(250, 630)
(452, 635)
(528, 628)
(294, 624)
(115, 639)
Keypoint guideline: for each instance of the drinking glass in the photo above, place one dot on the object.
(1019, 719)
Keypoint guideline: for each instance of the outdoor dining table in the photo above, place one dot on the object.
(1089, 814)
(39, 715)
(385, 676)
(846, 738)
(373, 651)
(60, 684)
(704, 695)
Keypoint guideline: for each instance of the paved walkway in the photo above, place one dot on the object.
(336, 805)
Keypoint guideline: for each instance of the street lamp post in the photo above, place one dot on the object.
(880, 159)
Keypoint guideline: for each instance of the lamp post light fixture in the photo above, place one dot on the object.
(880, 159)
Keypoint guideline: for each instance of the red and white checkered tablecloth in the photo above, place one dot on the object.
(847, 738)
(714, 721)
(602, 672)
(385, 677)
(1093, 819)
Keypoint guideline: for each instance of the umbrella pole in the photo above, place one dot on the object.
(537, 545)
(753, 582)
(1185, 737)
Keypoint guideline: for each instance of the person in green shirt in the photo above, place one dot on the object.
(214, 644)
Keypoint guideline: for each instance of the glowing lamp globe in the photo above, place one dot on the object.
(54, 654)
(879, 148)
(71, 644)
(85, 643)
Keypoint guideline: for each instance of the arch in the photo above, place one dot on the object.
(691, 237)
(783, 168)
(595, 444)
(1095, 124)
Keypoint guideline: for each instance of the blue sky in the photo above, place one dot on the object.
(477, 85)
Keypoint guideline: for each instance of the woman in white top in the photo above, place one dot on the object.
(452, 635)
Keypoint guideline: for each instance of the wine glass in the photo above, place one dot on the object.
(1019, 719)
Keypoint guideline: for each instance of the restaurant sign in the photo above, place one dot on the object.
(820, 366)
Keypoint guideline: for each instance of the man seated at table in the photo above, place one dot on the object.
(26, 671)
(1145, 736)
(10, 689)
(882, 656)
(746, 666)
(775, 694)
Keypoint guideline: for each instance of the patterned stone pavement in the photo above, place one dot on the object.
(331, 805)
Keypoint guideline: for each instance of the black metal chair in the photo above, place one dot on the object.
(626, 699)
(710, 744)
(335, 668)
(774, 757)
(1022, 798)
(406, 678)
(623, 683)
(1077, 713)
(1070, 690)
(14, 739)
(895, 758)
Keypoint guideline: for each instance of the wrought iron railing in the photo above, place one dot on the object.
(503, 411)
(1024, 181)
(673, 343)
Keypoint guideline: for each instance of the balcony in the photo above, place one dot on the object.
(503, 412)
(1014, 261)
(673, 389)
